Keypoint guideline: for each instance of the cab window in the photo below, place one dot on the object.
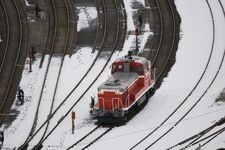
(120, 68)
(113, 68)
(140, 70)
(132, 69)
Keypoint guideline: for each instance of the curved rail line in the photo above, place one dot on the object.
(223, 129)
(212, 137)
(61, 104)
(157, 54)
(186, 98)
(160, 46)
(47, 70)
(84, 137)
(113, 50)
(97, 138)
(17, 55)
(212, 48)
(215, 134)
(76, 87)
(161, 34)
(209, 138)
(61, 64)
(197, 136)
(97, 127)
(172, 44)
(155, 29)
(205, 90)
(7, 35)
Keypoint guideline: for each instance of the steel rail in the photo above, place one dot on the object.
(60, 69)
(156, 56)
(53, 113)
(17, 55)
(197, 136)
(154, 28)
(24, 37)
(84, 137)
(195, 141)
(186, 98)
(7, 35)
(97, 138)
(118, 25)
(212, 48)
(161, 34)
(25, 144)
(113, 49)
(172, 44)
(212, 138)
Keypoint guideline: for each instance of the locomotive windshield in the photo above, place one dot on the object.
(128, 67)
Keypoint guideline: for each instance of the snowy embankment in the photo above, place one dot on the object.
(191, 59)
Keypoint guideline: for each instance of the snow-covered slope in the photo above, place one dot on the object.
(193, 53)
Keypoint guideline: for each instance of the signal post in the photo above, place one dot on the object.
(73, 116)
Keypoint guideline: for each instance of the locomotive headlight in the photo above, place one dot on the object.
(101, 91)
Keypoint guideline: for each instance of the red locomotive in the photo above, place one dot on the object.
(126, 91)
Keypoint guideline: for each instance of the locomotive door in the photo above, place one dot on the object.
(115, 103)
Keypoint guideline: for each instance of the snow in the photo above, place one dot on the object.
(27, 3)
(191, 61)
(86, 15)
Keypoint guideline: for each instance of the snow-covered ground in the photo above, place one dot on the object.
(191, 59)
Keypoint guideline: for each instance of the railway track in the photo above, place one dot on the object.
(196, 85)
(110, 129)
(209, 138)
(6, 41)
(108, 59)
(50, 116)
(158, 31)
(195, 139)
(46, 112)
(96, 137)
(113, 49)
(171, 50)
(163, 47)
(84, 137)
(160, 39)
(16, 40)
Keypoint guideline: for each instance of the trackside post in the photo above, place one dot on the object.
(73, 116)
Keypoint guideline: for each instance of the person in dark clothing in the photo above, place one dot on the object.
(2, 137)
(20, 96)
(33, 53)
(92, 102)
(140, 20)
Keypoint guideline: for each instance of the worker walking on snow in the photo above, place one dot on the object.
(92, 103)
(20, 96)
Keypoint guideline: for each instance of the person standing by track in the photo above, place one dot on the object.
(20, 95)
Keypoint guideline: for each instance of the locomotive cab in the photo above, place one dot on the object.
(127, 89)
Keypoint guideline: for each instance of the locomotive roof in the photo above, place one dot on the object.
(118, 81)
(141, 60)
